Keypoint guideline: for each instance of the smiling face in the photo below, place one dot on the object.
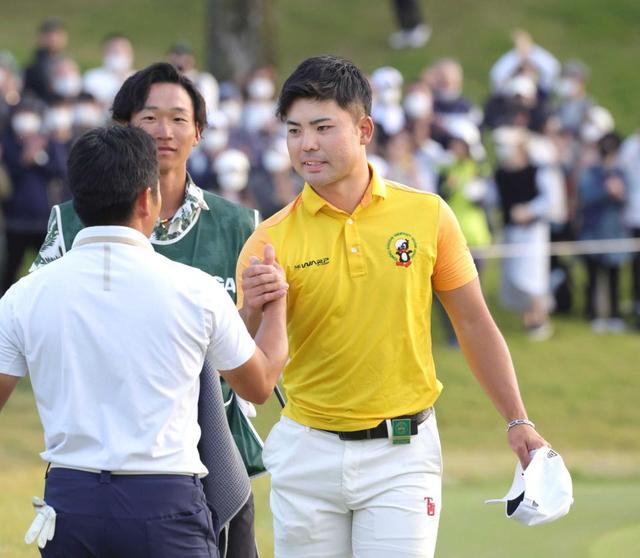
(327, 143)
(168, 117)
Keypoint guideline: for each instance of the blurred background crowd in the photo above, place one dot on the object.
(536, 162)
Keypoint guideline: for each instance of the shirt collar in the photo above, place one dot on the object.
(187, 213)
(112, 233)
(314, 202)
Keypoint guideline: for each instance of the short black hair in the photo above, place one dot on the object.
(108, 169)
(609, 144)
(135, 90)
(326, 78)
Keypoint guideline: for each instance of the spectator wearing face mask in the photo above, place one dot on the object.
(386, 110)
(32, 161)
(430, 156)
(232, 172)
(215, 139)
(117, 65)
(65, 79)
(87, 114)
(446, 79)
(602, 195)
(52, 40)
(525, 53)
(10, 87)
(630, 164)
(273, 183)
(572, 101)
(525, 203)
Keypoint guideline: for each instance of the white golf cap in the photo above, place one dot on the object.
(543, 492)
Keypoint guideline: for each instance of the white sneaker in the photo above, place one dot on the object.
(599, 325)
(541, 332)
(414, 38)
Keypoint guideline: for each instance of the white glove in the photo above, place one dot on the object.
(44, 525)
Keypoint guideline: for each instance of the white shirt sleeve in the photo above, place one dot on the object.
(231, 344)
(12, 358)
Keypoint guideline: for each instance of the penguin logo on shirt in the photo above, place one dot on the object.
(403, 252)
(401, 247)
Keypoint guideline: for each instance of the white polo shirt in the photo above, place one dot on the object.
(114, 337)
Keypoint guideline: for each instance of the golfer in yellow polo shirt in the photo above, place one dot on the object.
(355, 459)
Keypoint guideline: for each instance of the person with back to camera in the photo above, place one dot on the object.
(116, 366)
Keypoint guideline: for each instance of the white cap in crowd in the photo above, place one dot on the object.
(542, 493)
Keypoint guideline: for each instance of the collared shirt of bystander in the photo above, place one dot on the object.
(114, 337)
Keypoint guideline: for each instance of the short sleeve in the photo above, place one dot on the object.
(12, 357)
(454, 264)
(231, 345)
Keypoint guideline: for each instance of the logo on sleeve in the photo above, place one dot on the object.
(402, 248)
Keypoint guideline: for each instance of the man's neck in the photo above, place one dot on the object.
(172, 188)
(347, 194)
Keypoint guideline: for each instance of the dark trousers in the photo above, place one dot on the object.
(635, 279)
(17, 245)
(407, 13)
(100, 515)
(238, 539)
(595, 270)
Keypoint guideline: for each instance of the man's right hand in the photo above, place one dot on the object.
(262, 282)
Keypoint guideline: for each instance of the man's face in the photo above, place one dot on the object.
(325, 142)
(168, 117)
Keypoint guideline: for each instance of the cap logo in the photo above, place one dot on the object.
(551, 454)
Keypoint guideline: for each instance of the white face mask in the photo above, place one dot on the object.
(67, 86)
(58, 119)
(87, 116)
(418, 105)
(448, 95)
(214, 140)
(505, 152)
(117, 62)
(566, 88)
(26, 123)
(233, 181)
(257, 116)
(261, 88)
(232, 109)
(275, 162)
(390, 96)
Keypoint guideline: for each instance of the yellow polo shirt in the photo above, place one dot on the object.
(359, 303)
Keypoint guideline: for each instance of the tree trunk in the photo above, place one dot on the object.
(239, 37)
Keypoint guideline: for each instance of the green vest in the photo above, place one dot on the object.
(213, 244)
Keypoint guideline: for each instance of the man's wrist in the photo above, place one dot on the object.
(519, 422)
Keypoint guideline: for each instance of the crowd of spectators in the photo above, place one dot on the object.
(540, 160)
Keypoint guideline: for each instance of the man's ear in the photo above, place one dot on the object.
(366, 128)
(144, 203)
(198, 135)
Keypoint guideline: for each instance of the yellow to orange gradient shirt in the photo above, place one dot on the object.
(359, 302)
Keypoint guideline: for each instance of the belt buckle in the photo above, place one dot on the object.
(399, 430)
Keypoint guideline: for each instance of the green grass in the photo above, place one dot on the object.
(580, 388)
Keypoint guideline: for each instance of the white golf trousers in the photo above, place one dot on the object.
(367, 499)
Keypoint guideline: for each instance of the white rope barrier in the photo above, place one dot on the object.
(564, 248)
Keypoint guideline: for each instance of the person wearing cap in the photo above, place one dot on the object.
(355, 459)
(115, 366)
(199, 229)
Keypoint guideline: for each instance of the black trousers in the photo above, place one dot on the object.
(635, 279)
(17, 244)
(595, 270)
(407, 13)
